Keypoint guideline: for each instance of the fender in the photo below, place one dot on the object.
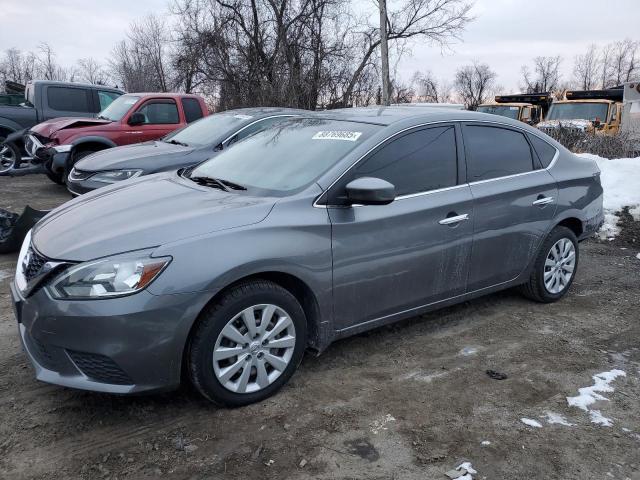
(94, 139)
(10, 125)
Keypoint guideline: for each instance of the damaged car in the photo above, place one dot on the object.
(315, 229)
(131, 118)
(188, 146)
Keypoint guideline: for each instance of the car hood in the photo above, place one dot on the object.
(578, 123)
(142, 213)
(148, 156)
(48, 128)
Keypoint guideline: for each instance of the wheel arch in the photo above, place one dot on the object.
(293, 284)
(92, 143)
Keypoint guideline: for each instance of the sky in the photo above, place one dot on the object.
(506, 34)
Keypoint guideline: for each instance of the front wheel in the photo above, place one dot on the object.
(247, 344)
(10, 156)
(555, 267)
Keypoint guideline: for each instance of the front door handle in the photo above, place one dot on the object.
(454, 219)
(543, 201)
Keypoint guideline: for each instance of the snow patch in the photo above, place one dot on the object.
(638, 256)
(531, 422)
(4, 274)
(467, 351)
(378, 425)
(620, 178)
(422, 377)
(556, 418)
(468, 467)
(587, 396)
(485, 443)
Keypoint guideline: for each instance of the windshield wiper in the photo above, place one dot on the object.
(100, 117)
(209, 182)
(235, 186)
(176, 142)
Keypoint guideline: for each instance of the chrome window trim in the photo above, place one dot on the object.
(253, 123)
(428, 192)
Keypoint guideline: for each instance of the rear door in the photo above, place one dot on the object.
(514, 202)
(415, 251)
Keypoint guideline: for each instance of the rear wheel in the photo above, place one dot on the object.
(247, 344)
(555, 267)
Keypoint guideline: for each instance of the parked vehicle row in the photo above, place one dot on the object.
(296, 232)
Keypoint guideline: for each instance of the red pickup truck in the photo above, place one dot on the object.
(132, 118)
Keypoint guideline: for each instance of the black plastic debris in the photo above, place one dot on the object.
(497, 375)
(14, 227)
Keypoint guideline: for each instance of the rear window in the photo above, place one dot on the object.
(544, 151)
(68, 99)
(192, 110)
(496, 152)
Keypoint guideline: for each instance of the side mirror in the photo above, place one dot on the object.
(136, 118)
(370, 191)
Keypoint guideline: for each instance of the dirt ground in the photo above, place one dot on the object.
(411, 401)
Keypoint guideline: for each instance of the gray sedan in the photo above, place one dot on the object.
(198, 141)
(316, 229)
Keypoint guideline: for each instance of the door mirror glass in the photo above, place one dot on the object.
(136, 118)
(370, 191)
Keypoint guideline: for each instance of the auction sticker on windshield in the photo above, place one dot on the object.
(337, 135)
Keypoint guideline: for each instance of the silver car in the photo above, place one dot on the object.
(316, 229)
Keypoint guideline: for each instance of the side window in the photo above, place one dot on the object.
(614, 113)
(106, 98)
(417, 162)
(495, 152)
(254, 128)
(66, 99)
(544, 151)
(160, 112)
(192, 110)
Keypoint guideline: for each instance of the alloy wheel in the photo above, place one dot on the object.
(7, 158)
(254, 348)
(559, 266)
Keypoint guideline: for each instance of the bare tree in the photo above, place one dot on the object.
(435, 21)
(16, 66)
(475, 83)
(141, 61)
(429, 89)
(545, 77)
(90, 71)
(47, 67)
(586, 69)
(625, 65)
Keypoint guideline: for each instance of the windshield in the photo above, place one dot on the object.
(207, 130)
(288, 156)
(118, 108)
(578, 111)
(502, 110)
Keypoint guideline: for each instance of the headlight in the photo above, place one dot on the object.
(62, 148)
(109, 277)
(113, 176)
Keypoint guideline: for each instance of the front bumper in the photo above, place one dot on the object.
(53, 160)
(121, 345)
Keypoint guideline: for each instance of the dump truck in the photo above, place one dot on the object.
(527, 107)
(630, 123)
(598, 111)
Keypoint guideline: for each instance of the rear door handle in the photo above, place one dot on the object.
(455, 219)
(543, 201)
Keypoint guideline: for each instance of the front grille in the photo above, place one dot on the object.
(100, 368)
(34, 264)
(41, 352)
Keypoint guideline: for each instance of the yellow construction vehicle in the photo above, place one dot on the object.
(527, 107)
(598, 111)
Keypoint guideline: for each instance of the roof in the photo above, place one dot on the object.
(74, 84)
(586, 100)
(389, 115)
(163, 94)
(264, 111)
(506, 104)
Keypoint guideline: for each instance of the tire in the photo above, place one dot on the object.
(58, 178)
(541, 287)
(221, 379)
(10, 156)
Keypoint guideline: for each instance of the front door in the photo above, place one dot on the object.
(393, 258)
(161, 118)
(514, 202)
